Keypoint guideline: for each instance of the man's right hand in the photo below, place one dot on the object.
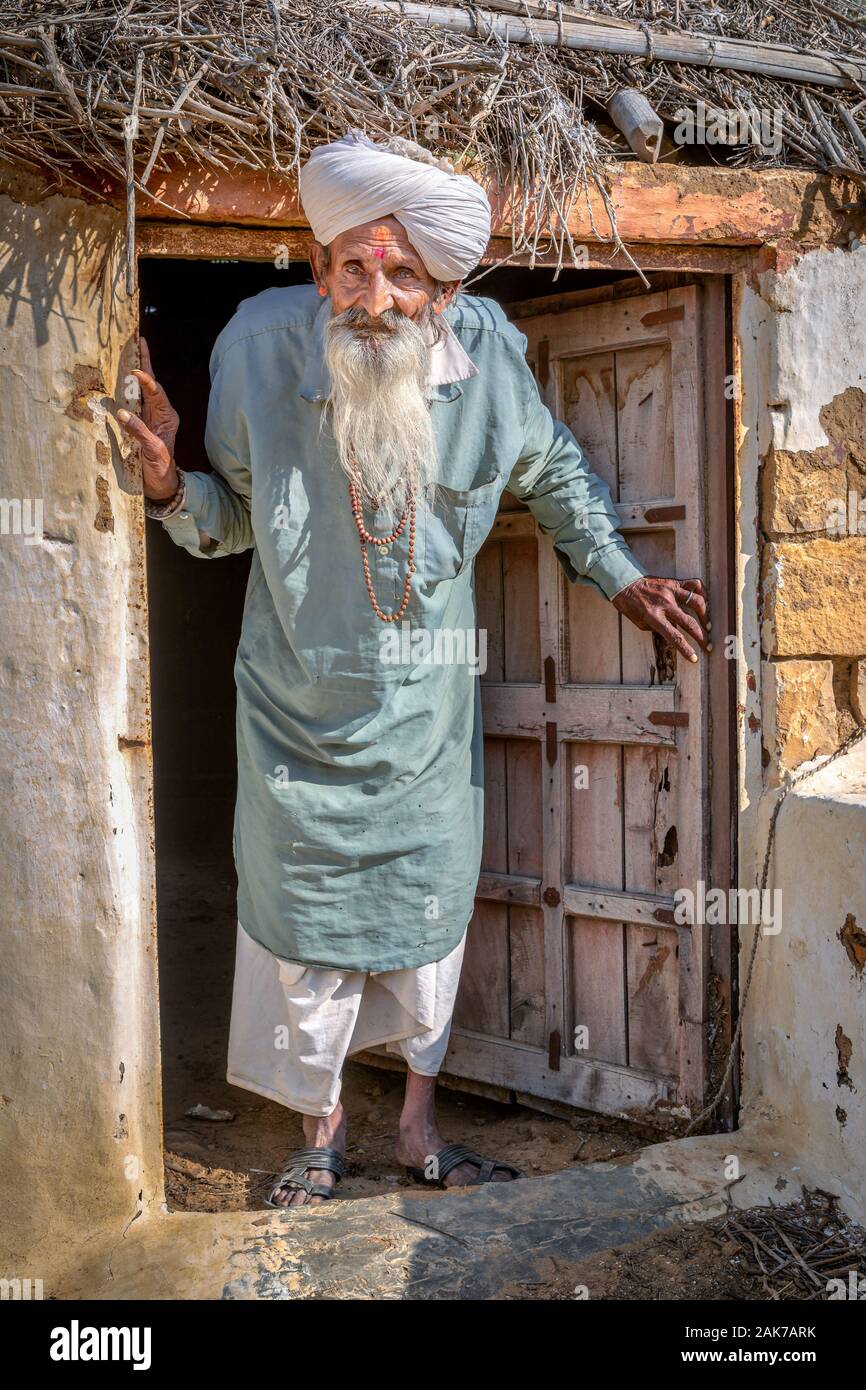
(155, 432)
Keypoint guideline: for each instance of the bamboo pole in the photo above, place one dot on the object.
(737, 55)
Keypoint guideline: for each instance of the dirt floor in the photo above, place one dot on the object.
(683, 1263)
(225, 1166)
(786, 1254)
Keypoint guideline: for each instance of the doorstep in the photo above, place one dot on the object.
(470, 1244)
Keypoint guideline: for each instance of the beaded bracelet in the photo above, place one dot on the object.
(162, 511)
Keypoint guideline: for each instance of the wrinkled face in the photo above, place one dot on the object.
(383, 310)
(375, 268)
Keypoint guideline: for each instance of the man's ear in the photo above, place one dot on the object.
(446, 295)
(318, 265)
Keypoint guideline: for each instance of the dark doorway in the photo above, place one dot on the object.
(195, 611)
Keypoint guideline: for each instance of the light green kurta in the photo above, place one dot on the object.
(360, 790)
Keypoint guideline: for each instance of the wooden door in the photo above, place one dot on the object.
(577, 984)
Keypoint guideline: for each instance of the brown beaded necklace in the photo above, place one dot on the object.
(367, 538)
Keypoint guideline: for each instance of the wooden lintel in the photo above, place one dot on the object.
(204, 241)
(208, 241)
(670, 205)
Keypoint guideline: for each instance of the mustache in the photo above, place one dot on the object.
(389, 321)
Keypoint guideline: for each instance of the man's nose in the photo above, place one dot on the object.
(377, 296)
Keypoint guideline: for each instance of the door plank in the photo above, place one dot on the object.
(594, 857)
(525, 857)
(597, 956)
(482, 1001)
(524, 800)
(651, 845)
(653, 1003)
(645, 422)
(594, 852)
(646, 658)
(520, 605)
(588, 406)
(593, 637)
(527, 1021)
(599, 328)
(489, 608)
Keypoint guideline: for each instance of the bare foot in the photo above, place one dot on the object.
(320, 1132)
(419, 1142)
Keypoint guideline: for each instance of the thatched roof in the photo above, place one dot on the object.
(519, 86)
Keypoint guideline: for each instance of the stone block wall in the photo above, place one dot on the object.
(813, 587)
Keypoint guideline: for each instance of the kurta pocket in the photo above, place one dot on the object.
(289, 971)
(455, 526)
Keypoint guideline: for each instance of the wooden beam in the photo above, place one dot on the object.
(621, 711)
(668, 206)
(696, 204)
(596, 35)
(600, 1086)
(210, 241)
(510, 888)
(598, 903)
(633, 516)
(699, 259)
(201, 241)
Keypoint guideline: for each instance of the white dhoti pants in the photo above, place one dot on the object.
(293, 1026)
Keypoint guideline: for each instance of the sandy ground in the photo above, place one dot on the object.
(224, 1166)
(784, 1254)
(682, 1263)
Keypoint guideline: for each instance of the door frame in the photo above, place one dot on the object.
(711, 268)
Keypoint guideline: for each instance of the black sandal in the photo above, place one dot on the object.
(294, 1175)
(454, 1154)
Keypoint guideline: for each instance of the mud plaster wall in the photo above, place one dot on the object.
(801, 336)
(79, 1072)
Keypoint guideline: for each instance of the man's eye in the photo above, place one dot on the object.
(352, 269)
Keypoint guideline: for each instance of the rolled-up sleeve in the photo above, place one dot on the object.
(570, 502)
(215, 519)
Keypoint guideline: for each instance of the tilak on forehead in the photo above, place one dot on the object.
(381, 233)
(353, 182)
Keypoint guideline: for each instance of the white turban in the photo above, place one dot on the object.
(353, 181)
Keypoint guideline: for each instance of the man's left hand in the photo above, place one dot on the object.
(670, 607)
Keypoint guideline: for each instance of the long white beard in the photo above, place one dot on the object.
(379, 410)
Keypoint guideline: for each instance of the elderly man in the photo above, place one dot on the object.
(361, 431)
